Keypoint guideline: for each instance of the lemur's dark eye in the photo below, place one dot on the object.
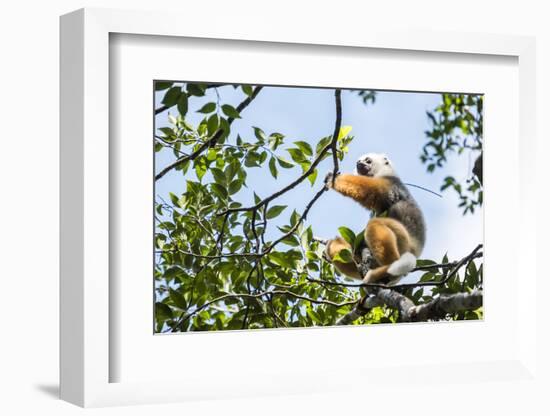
(368, 161)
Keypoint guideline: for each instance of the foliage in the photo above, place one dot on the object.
(457, 126)
(217, 267)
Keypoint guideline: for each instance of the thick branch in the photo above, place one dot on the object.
(436, 308)
(360, 309)
(445, 304)
(210, 142)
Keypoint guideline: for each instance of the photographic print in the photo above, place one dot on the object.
(292, 207)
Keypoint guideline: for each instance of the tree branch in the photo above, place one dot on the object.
(337, 125)
(210, 142)
(436, 308)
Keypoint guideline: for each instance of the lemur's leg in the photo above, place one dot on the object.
(368, 191)
(401, 234)
(388, 240)
(332, 248)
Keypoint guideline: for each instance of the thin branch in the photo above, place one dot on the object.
(337, 125)
(211, 141)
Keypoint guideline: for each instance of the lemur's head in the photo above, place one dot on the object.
(374, 164)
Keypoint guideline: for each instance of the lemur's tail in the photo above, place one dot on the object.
(403, 265)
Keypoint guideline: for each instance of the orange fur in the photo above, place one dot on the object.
(369, 192)
(388, 240)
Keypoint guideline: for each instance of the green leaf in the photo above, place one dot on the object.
(171, 97)
(348, 235)
(162, 85)
(281, 259)
(359, 240)
(247, 89)
(235, 186)
(252, 160)
(219, 190)
(177, 299)
(219, 176)
(230, 111)
(182, 104)
(196, 89)
(297, 155)
(200, 167)
(273, 167)
(344, 131)
(212, 124)
(231, 170)
(274, 211)
(343, 256)
(224, 126)
(207, 108)
(173, 198)
(304, 147)
(312, 177)
(212, 154)
(284, 163)
(322, 144)
(259, 133)
(162, 311)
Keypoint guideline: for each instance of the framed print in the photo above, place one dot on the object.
(245, 206)
(276, 272)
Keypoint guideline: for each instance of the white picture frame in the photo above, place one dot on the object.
(85, 165)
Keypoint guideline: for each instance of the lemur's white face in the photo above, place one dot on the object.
(374, 164)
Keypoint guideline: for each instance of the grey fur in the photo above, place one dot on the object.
(401, 206)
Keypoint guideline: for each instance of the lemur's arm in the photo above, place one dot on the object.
(369, 192)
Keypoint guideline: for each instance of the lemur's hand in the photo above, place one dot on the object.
(329, 180)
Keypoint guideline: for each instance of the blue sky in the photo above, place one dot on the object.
(394, 124)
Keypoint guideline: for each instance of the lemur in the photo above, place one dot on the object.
(395, 234)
